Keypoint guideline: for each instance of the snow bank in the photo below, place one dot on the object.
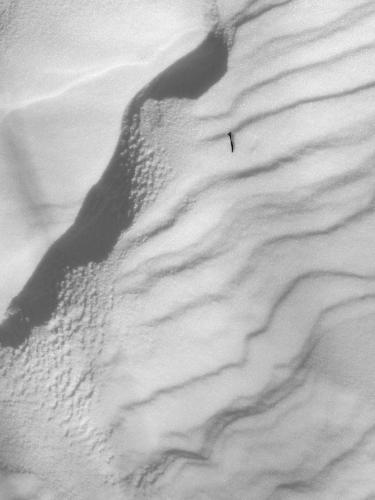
(183, 321)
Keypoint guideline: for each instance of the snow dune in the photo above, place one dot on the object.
(187, 322)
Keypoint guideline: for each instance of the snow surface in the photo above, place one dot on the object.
(180, 321)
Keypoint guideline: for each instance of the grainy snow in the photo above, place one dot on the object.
(180, 321)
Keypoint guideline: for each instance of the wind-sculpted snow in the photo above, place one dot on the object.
(204, 329)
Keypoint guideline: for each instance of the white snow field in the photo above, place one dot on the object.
(180, 321)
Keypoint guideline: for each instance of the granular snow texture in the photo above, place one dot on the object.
(180, 321)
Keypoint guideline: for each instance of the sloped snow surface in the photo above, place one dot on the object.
(180, 320)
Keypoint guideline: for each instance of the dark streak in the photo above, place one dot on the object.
(231, 141)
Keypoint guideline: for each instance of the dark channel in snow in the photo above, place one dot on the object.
(111, 205)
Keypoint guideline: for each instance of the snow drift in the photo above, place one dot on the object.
(182, 321)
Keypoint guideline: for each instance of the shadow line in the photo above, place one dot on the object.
(110, 206)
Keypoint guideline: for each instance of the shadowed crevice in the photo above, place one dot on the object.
(192, 75)
(110, 207)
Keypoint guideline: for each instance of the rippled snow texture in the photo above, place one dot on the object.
(183, 322)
